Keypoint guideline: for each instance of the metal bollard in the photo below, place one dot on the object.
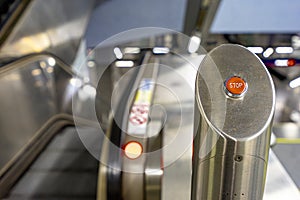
(235, 101)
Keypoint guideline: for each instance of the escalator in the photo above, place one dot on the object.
(42, 155)
(37, 82)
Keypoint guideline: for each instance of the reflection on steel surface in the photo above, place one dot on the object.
(54, 26)
(232, 142)
(34, 104)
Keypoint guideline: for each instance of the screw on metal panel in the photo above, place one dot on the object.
(238, 158)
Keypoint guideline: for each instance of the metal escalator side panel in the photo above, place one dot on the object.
(153, 169)
(29, 102)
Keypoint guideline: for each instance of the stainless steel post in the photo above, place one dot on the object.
(235, 101)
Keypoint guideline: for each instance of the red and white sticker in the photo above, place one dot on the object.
(138, 120)
(139, 113)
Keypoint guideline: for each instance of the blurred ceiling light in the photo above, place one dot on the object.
(14, 77)
(124, 63)
(132, 50)
(268, 52)
(35, 43)
(118, 53)
(36, 72)
(43, 64)
(296, 41)
(295, 83)
(50, 70)
(284, 50)
(76, 82)
(285, 62)
(90, 90)
(255, 49)
(154, 172)
(295, 116)
(91, 63)
(86, 79)
(160, 50)
(51, 61)
(194, 44)
(291, 62)
(281, 62)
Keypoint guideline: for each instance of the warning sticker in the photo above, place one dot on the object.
(139, 113)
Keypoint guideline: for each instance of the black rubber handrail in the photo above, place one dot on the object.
(114, 176)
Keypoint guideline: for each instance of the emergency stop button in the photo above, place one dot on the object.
(235, 87)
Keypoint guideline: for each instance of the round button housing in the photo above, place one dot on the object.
(133, 150)
(235, 87)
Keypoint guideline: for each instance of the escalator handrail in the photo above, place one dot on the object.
(19, 63)
(9, 173)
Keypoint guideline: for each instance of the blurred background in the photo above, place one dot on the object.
(54, 51)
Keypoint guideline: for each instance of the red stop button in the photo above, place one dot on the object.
(235, 87)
